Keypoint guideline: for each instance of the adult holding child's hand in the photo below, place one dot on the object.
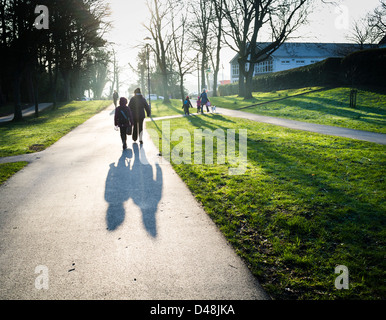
(138, 105)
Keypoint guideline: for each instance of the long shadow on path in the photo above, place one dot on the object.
(132, 178)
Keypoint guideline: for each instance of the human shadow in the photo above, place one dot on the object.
(132, 178)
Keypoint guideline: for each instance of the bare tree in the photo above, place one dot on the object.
(218, 32)
(200, 32)
(239, 16)
(141, 69)
(371, 28)
(377, 21)
(97, 70)
(180, 47)
(246, 18)
(162, 39)
(361, 33)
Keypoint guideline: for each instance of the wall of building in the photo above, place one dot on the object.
(282, 64)
(275, 65)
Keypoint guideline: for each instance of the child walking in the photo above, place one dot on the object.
(198, 104)
(187, 105)
(123, 119)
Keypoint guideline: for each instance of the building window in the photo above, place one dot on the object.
(285, 61)
(300, 61)
(235, 70)
(264, 67)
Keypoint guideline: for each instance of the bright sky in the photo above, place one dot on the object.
(327, 24)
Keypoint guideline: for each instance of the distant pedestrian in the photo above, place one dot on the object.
(204, 100)
(115, 98)
(123, 119)
(198, 104)
(138, 105)
(187, 105)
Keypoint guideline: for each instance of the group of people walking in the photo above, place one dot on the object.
(202, 101)
(129, 117)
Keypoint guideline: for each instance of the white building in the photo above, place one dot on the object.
(294, 54)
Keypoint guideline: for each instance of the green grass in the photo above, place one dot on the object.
(9, 169)
(36, 134)
(329, 107)
(306, 204)
(159, 109)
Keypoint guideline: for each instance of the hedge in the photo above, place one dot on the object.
(364, 67)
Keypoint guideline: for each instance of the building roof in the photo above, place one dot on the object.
(311, 50)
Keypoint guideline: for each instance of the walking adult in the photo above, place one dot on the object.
(138, 105)
(204, 100)
(115, 98)
(123, 119)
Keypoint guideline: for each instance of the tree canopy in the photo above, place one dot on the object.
(60, 56)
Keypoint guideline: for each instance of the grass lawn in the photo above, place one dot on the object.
(36, 134)
(306, 204)
(159, 109)
(9, 169)
(329, 107)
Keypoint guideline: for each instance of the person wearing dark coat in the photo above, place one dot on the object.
(204, 100)
(138, 105)
(123, 119)
(115, 98)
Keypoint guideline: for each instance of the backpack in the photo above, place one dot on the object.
(122, 117)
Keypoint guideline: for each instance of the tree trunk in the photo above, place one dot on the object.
(18, 115)
(55, 86)
(248, 82)
(36, 92)
(2, 100)
(203, 69)
(165, 87)
(67, 84)
(182, 87)
(220, 16)
(215, 75)
(241, 79)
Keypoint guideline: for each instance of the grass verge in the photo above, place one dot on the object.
(9, 169)
(328, 107)
(159, 109)
(306, 204)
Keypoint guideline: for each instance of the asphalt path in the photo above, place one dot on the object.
(87, 220)
(26, 112)
(379, 138)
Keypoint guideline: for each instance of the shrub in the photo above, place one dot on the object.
(365, 67)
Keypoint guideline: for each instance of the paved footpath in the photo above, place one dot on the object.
(26, 112)
(96, 222)
(312, 127)
(379, 138)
